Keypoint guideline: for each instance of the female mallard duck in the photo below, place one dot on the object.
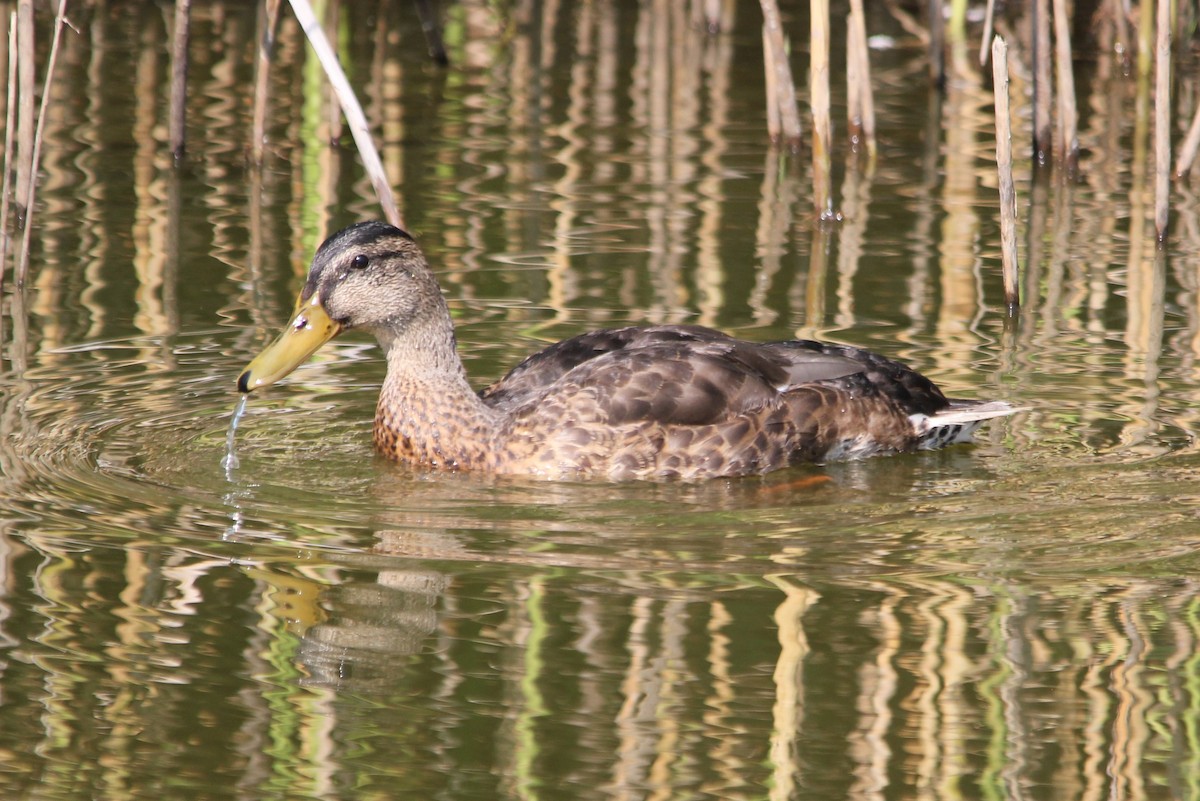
(662, 401)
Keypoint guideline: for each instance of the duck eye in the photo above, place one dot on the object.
(359, 262)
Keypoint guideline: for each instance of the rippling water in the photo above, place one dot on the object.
(1014, 619)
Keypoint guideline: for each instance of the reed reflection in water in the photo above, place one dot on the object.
(1017, 619)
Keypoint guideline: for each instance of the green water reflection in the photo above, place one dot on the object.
(1014, 619)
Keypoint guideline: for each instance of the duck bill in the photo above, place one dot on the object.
(310, 328)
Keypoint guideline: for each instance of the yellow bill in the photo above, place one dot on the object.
(310, 328)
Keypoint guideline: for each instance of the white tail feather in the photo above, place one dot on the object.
(958, 422)
(972, 413)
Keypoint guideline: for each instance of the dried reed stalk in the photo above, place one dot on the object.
(268, 20)
(1042, 88)
(712, 15)
(937, 44)
(781, 89)
(10, 119)
(858, 67)
(1187, 151)
(819, 98)
(433, 33)
(26, 104)
(1068, 115)
(1162, 120)
(60, 18)
(989, 22)
(956, 31)
(774, 124)
(1008, 192)
(1111, 15)
(854, 124)
(177, 116)
(355, 118)
(1145, 38)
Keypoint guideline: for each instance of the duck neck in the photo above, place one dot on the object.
(428, 414)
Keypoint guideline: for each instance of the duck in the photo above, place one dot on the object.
(637, 402)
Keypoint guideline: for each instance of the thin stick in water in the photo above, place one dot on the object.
(433, 32)
(989, 21)
(26, 102)
(784, 96)
(853, 86)
(1114, 12)
(937, 44)
(819, 98)
(179, 69)
(1162, 120)
(1041, 81)
(774, 125)
(1068, 116)
(268, 19)
(1145, 38)
(23, 263)
(1187, 151)
(712, 15)
(861, 54)
(1004, 161)
(355, 118)
(10, 119)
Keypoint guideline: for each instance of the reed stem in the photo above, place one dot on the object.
(1042, 89)
(858, 58)
(26, 105)
(1008, 192)
(783, 96)
(989, 22)
(937, 44)
(774, 124)
(177, 116)
(819, 98)
(1145, 38)
(23, 263)
(433, 32)
(268, 20)
(10, 119)
(712, 16)
(351, 109)
(1187, 151)
(1068, 116)
(1162, 120)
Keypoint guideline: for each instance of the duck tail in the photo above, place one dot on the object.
(958, 421)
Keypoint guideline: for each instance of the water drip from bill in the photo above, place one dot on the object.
(229, 462)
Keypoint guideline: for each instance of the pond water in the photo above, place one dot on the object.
(1017, 618)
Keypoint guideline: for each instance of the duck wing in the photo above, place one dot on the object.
(530, 379)
(691, 364)
(683, 375)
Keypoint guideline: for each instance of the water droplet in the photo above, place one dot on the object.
(230, 461)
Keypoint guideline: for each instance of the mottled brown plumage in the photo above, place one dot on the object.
(660, 401)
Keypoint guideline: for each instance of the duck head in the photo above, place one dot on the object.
(371, 276)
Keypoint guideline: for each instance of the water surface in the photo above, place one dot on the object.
(1017, 618)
